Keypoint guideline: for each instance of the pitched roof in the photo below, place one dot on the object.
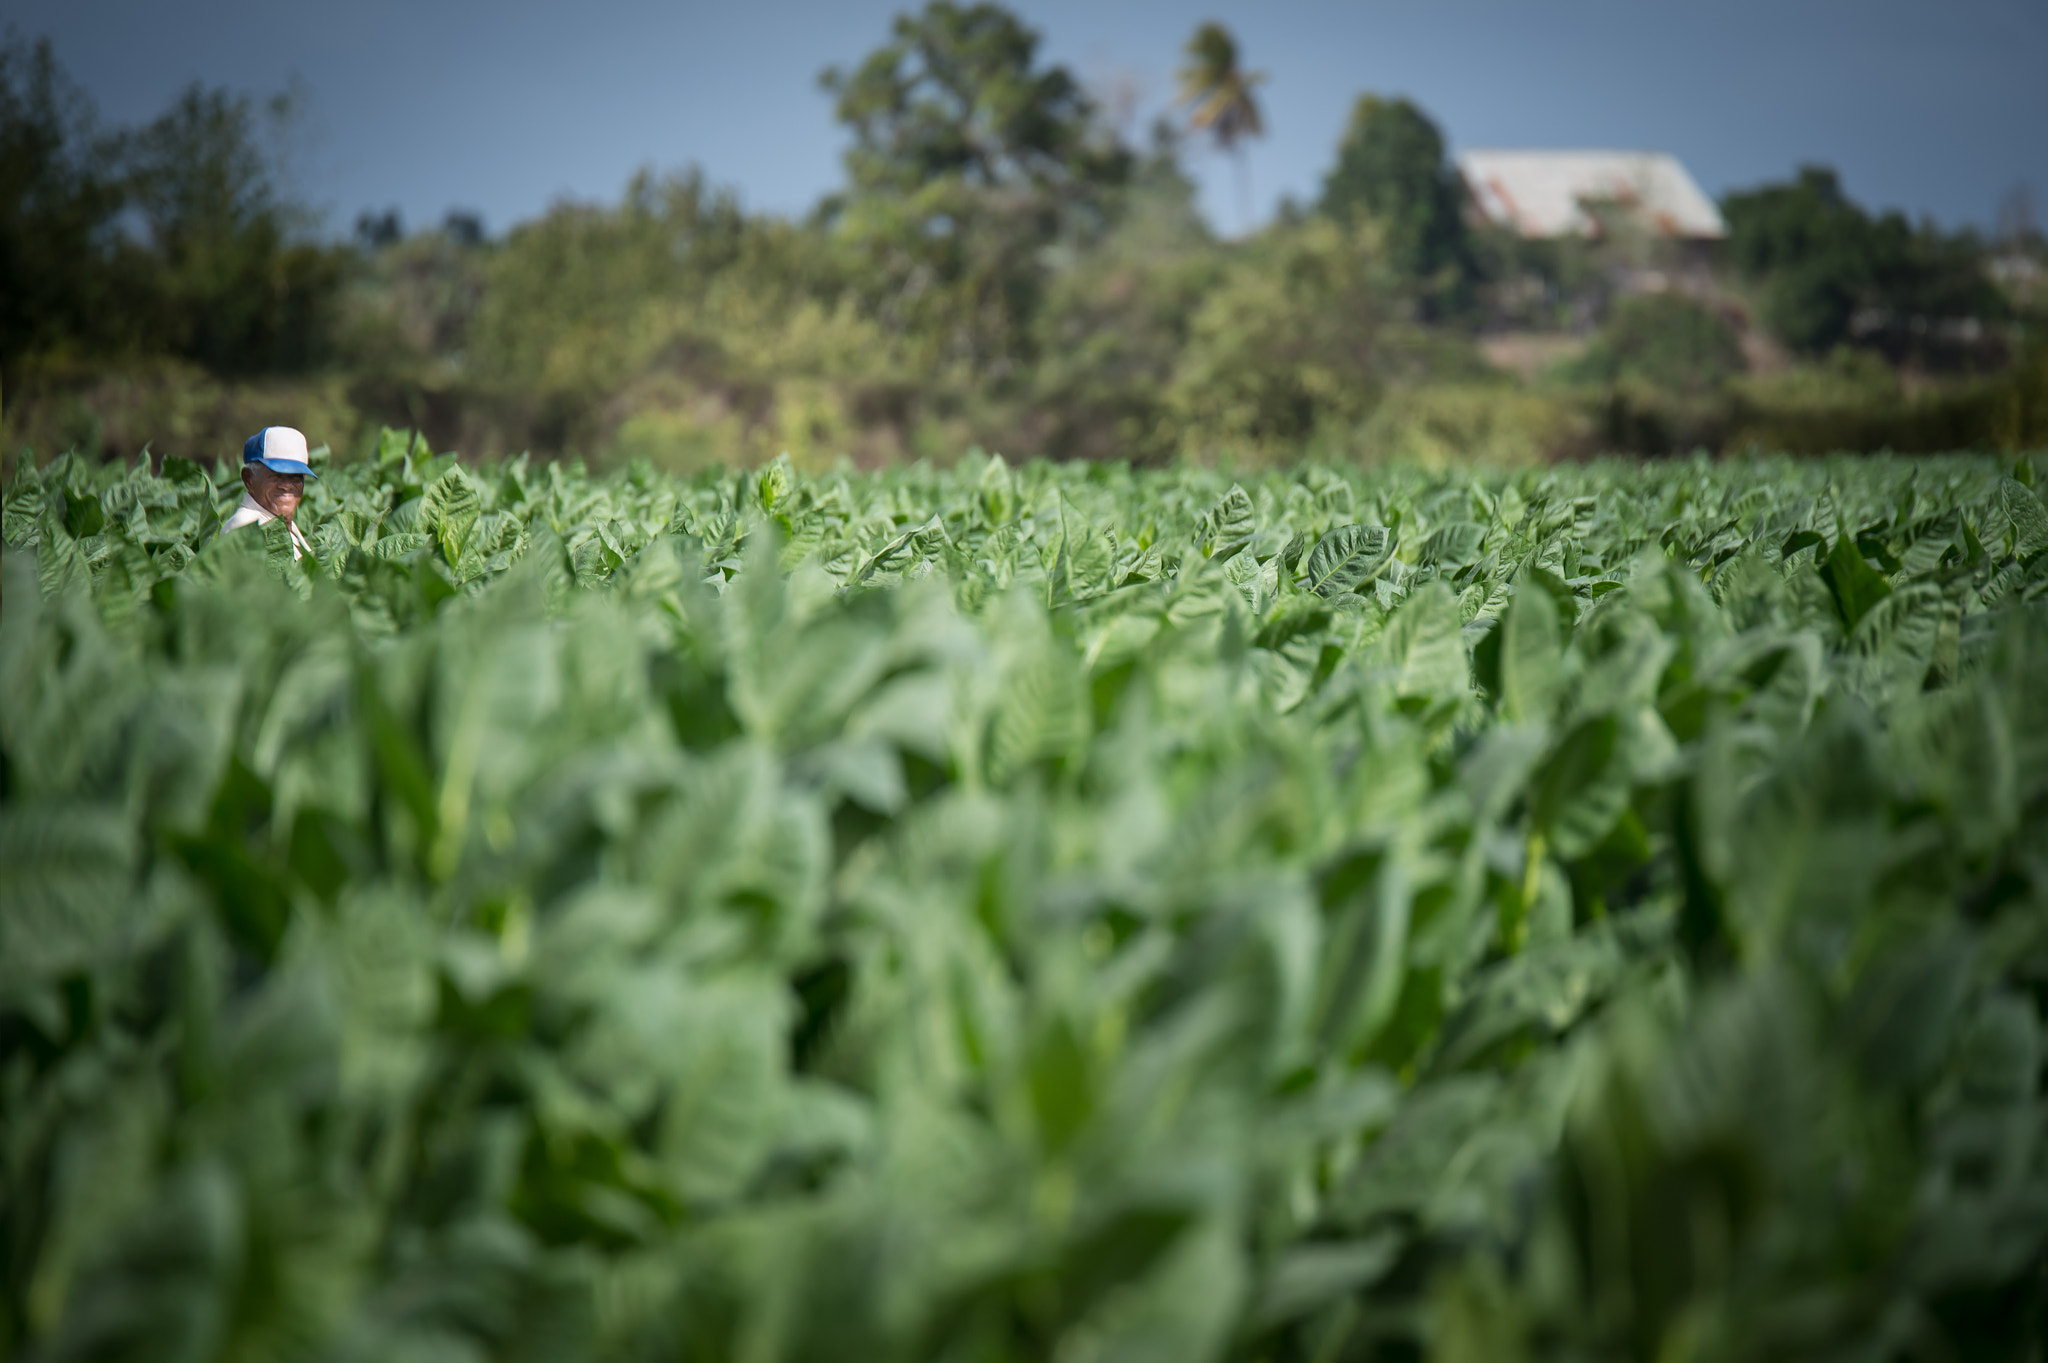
(1544, 193)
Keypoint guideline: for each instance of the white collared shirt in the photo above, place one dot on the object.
(251, 513)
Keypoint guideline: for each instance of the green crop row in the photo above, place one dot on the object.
(1026, 913)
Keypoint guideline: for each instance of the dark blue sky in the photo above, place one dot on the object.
(1934, 108)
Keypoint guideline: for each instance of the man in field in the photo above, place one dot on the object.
(274, 474)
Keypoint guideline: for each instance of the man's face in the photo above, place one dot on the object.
(277, 493)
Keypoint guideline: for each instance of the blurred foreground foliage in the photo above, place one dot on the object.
(1022, 913)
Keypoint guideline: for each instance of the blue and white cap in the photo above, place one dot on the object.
(280, 449)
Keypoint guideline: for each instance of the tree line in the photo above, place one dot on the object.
(1000, 262)
(177, 236)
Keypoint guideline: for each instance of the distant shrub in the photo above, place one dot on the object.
(1664, 341)
(1848, 377)
(1440, 425)
(1833, 273)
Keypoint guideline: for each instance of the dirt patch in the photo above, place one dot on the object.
(1525, 354)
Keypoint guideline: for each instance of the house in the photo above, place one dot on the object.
(1549, 194)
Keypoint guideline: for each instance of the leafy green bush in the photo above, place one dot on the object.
(170, 239)
(1854, 402)
(101, 410)
(1491, 425)
(1832, 272)
(1595, 913)
(1299, 336)
(1664, 342)
(1391, 167)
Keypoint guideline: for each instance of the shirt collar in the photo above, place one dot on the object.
(265, 517)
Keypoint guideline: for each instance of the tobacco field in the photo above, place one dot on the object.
(1018, 913)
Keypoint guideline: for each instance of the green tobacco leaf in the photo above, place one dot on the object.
(20, 519)
(1904, 1013)
(801, 540)
(1366, 917)
(662, 951)
(60, 566)
(1904, 624)
(1043, 713)
(449, 511)
(405, 519)
(1801, 539)
(1230, 524)
(68, 896)
(1541, 992)
(1581, 787)
(180, 470)
(1258, 582)
(1291, 553)
(1856, 585)
(1347, 558)
(1083, 563)
(399, 546)
(391, 446)
(998, 491)
(278, 551)
(889, 552)
(2022, 506)
(1454, 545)
(1425, 643)
(1417, 1159)
(774, 484)
(1530, 652)
(82, 515)
(703, 1058)
(1312, 1276)
(1062, 1084)
(163, 1284)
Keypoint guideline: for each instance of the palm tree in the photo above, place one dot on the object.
(1218, 94)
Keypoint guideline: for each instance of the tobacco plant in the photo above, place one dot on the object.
(1026, 912)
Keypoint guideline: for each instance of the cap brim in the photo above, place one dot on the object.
(286, 466)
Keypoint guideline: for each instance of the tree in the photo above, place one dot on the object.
(566, 299)
(1114, 319)
(379, 231)
(956, 96)
(1219, 95)
(1304, 332)
(1831, 273)
(1391, 166)
(176, 237)
(1811, 246)
(59, 195)
(464, 227)
(1666, 342)
(2017, 228)
(240, 286)
(968, 159)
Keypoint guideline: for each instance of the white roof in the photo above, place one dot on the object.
(1543, 193)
